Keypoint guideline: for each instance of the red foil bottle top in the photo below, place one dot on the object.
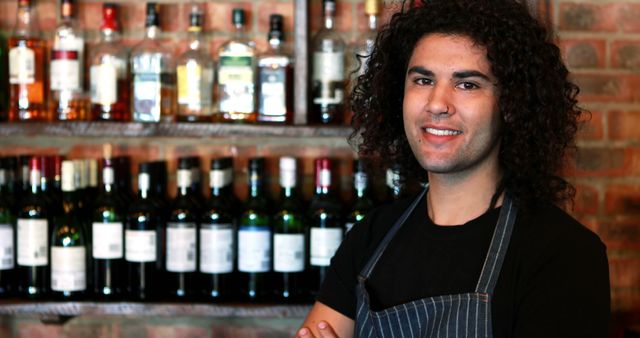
(109, 17)
(57, 165)
(323, 172)
(34, 163)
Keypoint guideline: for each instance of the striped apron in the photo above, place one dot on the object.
(461, 315)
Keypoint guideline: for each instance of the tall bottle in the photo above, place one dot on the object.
(122, 169)
(236, 75)
(67, 68)
(109, 72)
(289, 237)
(142, 242)
(27, 68)
(363, 45)
(217, 234)
(362, 202)
(182, 238)
(275, 77)
(328, 71)
(107, 232)
(32, 245)
(326, 231)
(153, 72)
(195, 75)
(68, 250)
(7, 233)
(254, 238)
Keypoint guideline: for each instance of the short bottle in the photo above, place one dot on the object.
(195, 75)
(236, 75)
(7, 233)
(362, 201)
(153, 74)
(275, 78)
(109, 72)
(68, 249)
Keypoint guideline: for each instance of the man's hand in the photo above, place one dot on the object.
(324, 329)
(325, 322)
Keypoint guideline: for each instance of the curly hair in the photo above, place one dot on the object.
(537, 101)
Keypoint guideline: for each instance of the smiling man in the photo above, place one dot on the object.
(472, 97)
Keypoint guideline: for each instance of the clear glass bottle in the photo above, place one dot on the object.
(68, 100)
(236, 75)
(153, 74)
(361, 49)
(195, 75)
(328, 71)
(27, 68)
(275, 77)
(109, 72)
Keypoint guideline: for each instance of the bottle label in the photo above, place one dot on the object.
(107, 240)
(183, 178)
(33, 242)
(6, 247)
(360, 181)
(104, 84)
(328, 77)
(65, 70)
(273, 99)
(324, 243)
(194, 86)
(181, 247)
(22, 65)
(254, 249)
(235, 82)
(140, 246)
(220, 178)
(146, 97)
(288, 252)
(216, 248)
(68, 268)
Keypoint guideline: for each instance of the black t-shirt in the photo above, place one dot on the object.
(554, 280)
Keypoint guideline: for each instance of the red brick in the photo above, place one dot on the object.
(624, 272)
(218, 16)
(624, 125)
(607, 88)
(623, 233)
(47, 15)
(343, 22)
(174, 17)
(625, 54)
(89, 15)
(132, 15)
(625, 300)
(586, 200)
(266, 8)
(587, 17)
(627, 17)
(591, 127)
(601, 162)
(622, 199)
(8, 10)
(37, 330)
(588, 53)
(590, 222)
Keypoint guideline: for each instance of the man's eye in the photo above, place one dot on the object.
(422, 81)
(467, 85)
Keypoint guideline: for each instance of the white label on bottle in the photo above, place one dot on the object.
(104, 84)
(6, 247)
(22, 65)
(140, 246)
(216, 248)
(68, 268)
(107, 240)
(236, 84)
(220, 178)
(146, 97)
(272, 91)
(324, 243)
(183, 178)
(328, 66)
(65, 70)
(325, 178)
(254, 249)
(360, 181)
(33, 242)
(288, 252)
(181, 247)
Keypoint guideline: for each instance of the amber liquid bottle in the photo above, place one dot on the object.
(27, 71)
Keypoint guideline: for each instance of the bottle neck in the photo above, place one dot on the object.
(255, 185)
(25, 22)
(373, 22)
(152, 32)
(238, 31)
(195, 38)
(275, 43)
(184, 181)
(288, 192)
(221, 191)
(110, 35)
(323, 190)
(329, 15)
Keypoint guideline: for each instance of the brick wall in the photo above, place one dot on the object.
(600, 40)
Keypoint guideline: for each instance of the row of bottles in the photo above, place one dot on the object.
(149, 84)
(67, 241)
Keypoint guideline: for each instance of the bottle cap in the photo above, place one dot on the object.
(195, 18)
(109, 17)
(153, 14)
(256, 163)
(275, 27)
(221, 163)
(238, 16)
(372, 7)
(184, 163)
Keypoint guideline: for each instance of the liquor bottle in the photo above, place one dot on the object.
(67, 68)
(153, 72)
(328, 71)
(217, 234)
(107, 233)
(4, 80)
(254, 238)
(7, 232)
(109, 72)
(289, 237)
(32, 234)
(68, 250)
(142, 242)
(236, 75)
(362, 202)
(275, 78)
(27, 68)
(182, 239)
(195, 75)
(326, 231)
(363, 45)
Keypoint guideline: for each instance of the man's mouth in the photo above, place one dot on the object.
(442, 132)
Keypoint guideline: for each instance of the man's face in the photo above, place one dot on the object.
(450, 107)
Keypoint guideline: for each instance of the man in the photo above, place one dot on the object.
(471, 96)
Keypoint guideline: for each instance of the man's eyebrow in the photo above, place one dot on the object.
(420, 70)
(470, 73)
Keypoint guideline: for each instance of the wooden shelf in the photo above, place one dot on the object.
(190, 130)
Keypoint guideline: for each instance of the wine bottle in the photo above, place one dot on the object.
(217, 234)
(7, 232)
(122, 169)
(289, 237)
(362, 202)
(68, 250)
(254, 238)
